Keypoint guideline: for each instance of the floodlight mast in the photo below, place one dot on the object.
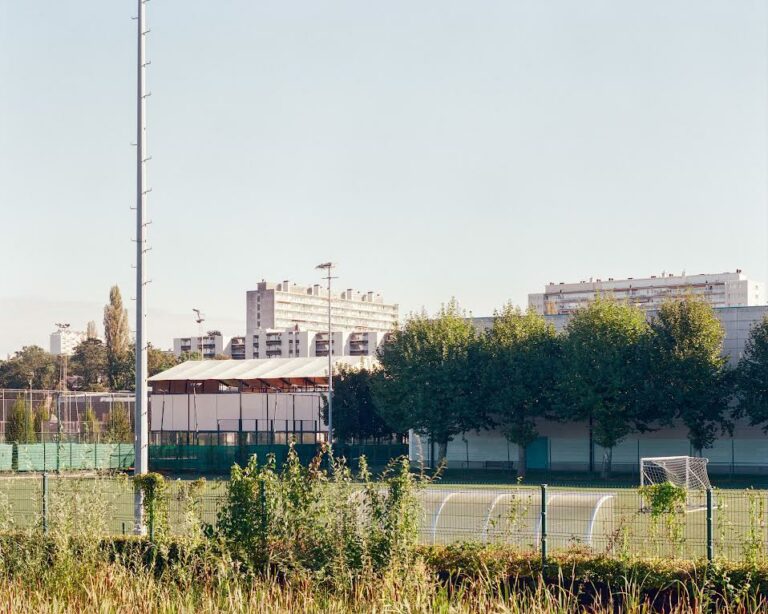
(141, 463)
(328, 268)
(200, 318)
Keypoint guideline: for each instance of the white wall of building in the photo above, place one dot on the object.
(736, 321)
(222, 412)
(208, 345)
(567, 449)
(65, 341)
(718, 289)
(291, 343)
(286, 305)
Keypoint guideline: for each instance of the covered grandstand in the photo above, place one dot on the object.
(206, 414)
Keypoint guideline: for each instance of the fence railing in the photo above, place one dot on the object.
(728, 524)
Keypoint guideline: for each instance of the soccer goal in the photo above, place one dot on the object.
(688, 472)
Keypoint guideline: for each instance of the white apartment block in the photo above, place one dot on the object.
(64, 342)
(285, 306)
(292, 343)
(235, 348)
(209, 345)
(648, 293)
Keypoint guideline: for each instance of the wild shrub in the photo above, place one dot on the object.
(327, 523)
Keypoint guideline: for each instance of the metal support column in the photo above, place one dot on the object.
(142, 400)
(543, 527)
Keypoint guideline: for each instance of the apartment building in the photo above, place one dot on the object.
(235, 349)
(63, 342)
(648, 293)
(737, 322)
(295, 343)
(286, 306)
(209, 345)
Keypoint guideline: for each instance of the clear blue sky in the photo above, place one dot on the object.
(432, 149)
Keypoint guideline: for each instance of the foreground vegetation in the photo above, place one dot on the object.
(310, 539)
(76, 575)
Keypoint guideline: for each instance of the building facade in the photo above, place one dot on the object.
(719, 290)
(284, 306)
(293, 343)
(209, 345)
(64, 342)
(736, 322)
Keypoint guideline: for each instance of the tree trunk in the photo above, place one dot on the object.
(522, 461)
(442, 452)
(607, 459)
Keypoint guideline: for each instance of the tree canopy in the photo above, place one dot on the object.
(31, 362)
(116, 340)
(89, 362)
(355, 415)
(426, 383)
(601, 369)
(752, 379)
(687, 369)
(519, 366)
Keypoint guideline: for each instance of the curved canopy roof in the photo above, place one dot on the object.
(274, 372)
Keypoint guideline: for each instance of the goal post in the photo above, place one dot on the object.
(688, 472)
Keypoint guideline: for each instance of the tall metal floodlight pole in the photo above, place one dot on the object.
(141, 426)
(328, 267)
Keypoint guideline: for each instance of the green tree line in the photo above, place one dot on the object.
(610, 367)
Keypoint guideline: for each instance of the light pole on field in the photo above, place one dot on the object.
(62, 326)
(200, 318)
(328, 268)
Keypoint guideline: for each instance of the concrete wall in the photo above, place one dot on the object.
(567, 449)
(212, 412)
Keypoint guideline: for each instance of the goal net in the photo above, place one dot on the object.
(688, 472)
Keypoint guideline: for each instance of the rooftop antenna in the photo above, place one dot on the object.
(141, 465)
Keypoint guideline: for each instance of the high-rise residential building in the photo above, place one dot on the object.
(63, 342)
(285, 306)
(718, 289)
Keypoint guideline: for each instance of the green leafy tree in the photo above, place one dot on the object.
(185, 356)
(602, 365)
(752, 376)
(89, 362)
(159, 360)
(519, 363)
(116, 340)
(355, 415)
(119, 429)
(426, 380)
(20, 427)
(688, 373)
(30, 362)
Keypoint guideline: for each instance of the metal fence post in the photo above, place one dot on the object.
(543, 527)
(151, 518)
(45, 502)
(710, 528)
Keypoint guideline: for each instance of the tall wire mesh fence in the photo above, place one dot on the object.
(614, 522)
